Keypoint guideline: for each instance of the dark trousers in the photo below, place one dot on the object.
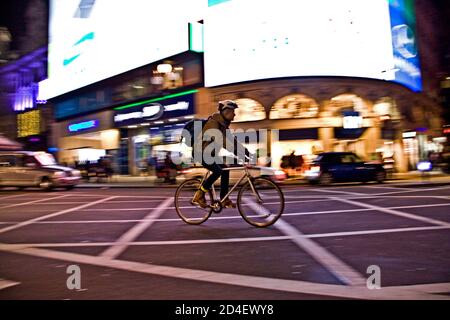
(217, 172)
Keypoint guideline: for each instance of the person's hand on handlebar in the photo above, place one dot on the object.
(250, 159)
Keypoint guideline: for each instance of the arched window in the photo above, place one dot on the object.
(349, 102)
(249, 110)
(294, 106)
(386, 106)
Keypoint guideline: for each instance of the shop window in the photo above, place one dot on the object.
(386, 107)
(349, 102)
(249, 110)
(294, 106)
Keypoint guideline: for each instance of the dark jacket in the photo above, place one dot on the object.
(217, 121)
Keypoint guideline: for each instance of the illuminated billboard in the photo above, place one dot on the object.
(91, 40)
(259, 39)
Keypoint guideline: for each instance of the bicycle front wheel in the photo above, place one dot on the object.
(260, 203)
(186, 211)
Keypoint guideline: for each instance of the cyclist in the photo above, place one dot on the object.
(221, 121)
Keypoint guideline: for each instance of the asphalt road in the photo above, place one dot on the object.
(130, 244)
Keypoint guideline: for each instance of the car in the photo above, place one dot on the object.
(275, 175)
(35, 169)
(331, 167)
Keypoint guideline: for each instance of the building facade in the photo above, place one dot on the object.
(132, 117)
(370, 117)
(23, 117)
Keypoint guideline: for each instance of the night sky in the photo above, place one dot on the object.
(11, 16)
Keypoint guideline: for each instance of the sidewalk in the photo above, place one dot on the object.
(411, 179)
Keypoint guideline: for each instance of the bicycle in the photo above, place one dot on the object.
(260, 201)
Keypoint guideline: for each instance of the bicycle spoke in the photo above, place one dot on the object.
(264, 212)
(189, 213)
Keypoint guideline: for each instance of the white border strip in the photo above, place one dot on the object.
(51, 215)
(121, 244)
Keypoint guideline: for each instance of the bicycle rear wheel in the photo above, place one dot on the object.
(186, 211)
(262, 205)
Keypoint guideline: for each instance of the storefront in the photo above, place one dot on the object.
(87, 139)
(324, 114)
(151, 130)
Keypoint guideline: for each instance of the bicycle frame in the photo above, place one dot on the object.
(245, 175)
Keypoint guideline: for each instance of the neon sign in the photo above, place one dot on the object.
(75, 127)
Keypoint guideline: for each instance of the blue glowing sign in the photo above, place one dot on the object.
(75, 127)
(404, 43)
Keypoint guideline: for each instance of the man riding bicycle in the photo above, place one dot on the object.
(219, 122)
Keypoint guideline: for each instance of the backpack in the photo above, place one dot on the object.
(188, 131)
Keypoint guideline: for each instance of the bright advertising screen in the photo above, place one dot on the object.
(91, 40)
(259, 39)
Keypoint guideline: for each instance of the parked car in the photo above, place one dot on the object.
(35, 169)
(332, 167)
(268, 172)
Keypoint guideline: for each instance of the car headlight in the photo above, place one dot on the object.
(76, 173)
(59, 174)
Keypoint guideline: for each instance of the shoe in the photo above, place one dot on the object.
(227, 203)
(199, 199)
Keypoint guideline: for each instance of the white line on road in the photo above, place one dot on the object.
(28, 222)
(220, 240)
(137, 201)
(61, 203)
(222, 217)
(14, 196)
(395, 212)
(120, 245)
(257, 282)
(429, 288)
(340, 191)
(31, 202)
(365, 232)
(333, 264)
(408, 190)
(6, 284)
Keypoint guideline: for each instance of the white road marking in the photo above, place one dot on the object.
(120, 245)
(408, 190)
(222, 217)
(14, 196)
(6, 284)
(220, 240)
(429, 288)
(152, 208)
(60, 203)
(364, 232)
(276, 284)
(395, 212)
(333, 264)
(55, 214)
(320, 199)
(137, 201)
(340, 191)
(31, 202)
(387, 187)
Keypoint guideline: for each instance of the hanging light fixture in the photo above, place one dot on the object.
(164, 68)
